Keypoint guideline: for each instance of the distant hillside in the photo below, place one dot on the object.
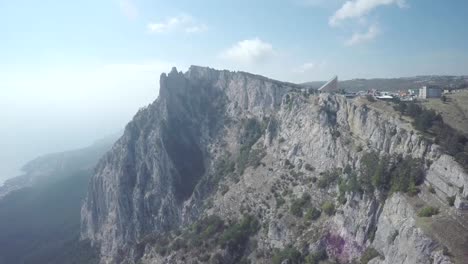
(57, 165)
(40, 211)
(396, 84)
(454, 110)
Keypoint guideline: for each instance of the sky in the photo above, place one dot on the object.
(72, 72)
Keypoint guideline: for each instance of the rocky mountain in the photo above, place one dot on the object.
(230, 167)
(40, 210)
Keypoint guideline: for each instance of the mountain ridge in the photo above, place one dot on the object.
(216, 143)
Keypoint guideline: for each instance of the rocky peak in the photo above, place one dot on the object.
(218, 142)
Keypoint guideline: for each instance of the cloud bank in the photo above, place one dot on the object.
(249, 51)
(360, 38)
(359, 8)
(181, 23)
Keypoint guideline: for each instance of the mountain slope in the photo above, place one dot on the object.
(229, 167)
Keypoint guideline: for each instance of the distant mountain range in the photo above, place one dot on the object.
(397, 84)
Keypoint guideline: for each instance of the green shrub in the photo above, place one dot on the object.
(428, 211)
(390, 174)
(359, 148)
(407, 174)
(252, 131)
(329, 208)
(369, 162)
(298, 204)
(368, 255)
(206, 228)
(347, 170)
(328, 178)
(289, 253)
(451, 200)
(412, 189)
(178, 244)
(315, 258)
(279, 201)
(312, 214)
(288, 164)
(296, 174)
(238, 234)
(309, 167)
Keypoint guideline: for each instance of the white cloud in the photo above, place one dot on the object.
(308, 67)
(129, 9)
(249, 51)
(196, 28)
(318, 3)
(181, 22)
(359, 8)
(360, 38)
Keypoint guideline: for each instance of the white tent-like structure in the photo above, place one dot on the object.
(330, 86)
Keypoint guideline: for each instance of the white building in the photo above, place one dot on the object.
(430, 92)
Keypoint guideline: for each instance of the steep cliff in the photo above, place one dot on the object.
(217, 145)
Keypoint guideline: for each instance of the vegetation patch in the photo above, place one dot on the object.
(309, 167)
(251, 132)
(206, 235)
(297, 205)
(391, 174)
(279, 201)
(451, 200)
(312, 214)
(369, 255)
(428, 211)
(289, 254)
(238, 234)
(328, 178)
(328, 207)
(431, 124)
(316, 257)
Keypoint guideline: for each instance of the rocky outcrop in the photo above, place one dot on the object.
(398, 238)
(230, 143)
(145, 182)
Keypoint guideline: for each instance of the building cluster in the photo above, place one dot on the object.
(424, 92)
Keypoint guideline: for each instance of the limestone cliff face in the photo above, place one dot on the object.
(142, 185)
(164, 173)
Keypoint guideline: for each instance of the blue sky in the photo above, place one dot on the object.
(74, 71)
(397, 38)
